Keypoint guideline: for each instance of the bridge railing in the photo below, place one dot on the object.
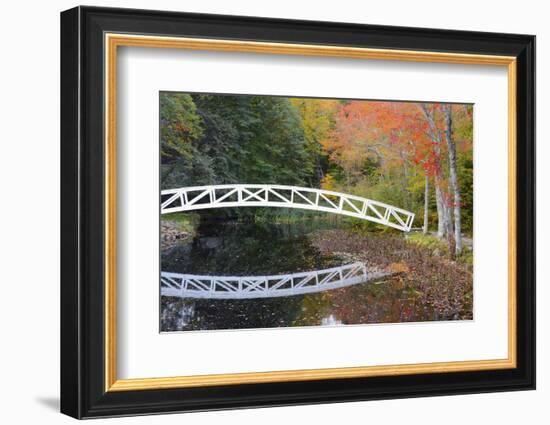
(263, 195)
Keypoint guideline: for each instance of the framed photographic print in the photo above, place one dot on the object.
(261, 212)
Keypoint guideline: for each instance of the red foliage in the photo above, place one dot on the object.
(397, 130)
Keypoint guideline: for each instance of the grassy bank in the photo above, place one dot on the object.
(184, 222)
(439, 247)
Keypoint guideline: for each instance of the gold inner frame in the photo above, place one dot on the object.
(113, 41)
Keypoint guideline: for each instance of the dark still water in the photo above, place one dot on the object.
(258, 249)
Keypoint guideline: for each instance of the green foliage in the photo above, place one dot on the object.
(463, 128)
(466, 182)
(370, 167)
(436, 245)
(277, 151)
(363, 227)
(466, 257)
(394, 187)
(252, 139)
(317, 119)
(229, 127)
(179, 125)
(181, 128)
(427, 241)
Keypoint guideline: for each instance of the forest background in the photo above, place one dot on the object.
(416, 156)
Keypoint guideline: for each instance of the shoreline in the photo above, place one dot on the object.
(446, 286)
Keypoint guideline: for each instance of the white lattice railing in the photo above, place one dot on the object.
(266, 195)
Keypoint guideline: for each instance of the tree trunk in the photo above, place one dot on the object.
(440, 213)
(449, 230)
(319, 168)
(440, 204)
(445, 223)
(426, 203)
(453, 179)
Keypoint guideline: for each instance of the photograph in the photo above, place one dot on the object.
(280, 212)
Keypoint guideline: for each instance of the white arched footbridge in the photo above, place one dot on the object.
(245, 287)
(267, 195)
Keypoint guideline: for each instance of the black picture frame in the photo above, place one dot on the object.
(83, 392)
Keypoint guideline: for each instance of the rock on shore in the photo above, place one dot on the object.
(171, 234)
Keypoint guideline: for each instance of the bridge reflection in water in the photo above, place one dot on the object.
(247, 287)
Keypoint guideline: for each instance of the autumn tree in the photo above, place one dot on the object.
(317, 116)
(445, 222)
(393, 135)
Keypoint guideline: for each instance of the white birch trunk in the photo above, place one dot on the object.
(426, 204)
(445, 224)
(440, 204)
(453, 178)
(440, 213)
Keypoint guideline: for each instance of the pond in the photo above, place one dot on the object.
(232, 248)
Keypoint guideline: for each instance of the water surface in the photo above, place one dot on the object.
(252, 249)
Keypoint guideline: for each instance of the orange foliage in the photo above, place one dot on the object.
(392, 132)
